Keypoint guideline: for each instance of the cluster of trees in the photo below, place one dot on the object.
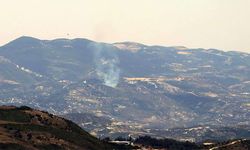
(150, 142)
(155, 143)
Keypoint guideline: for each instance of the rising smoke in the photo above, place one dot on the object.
(107, 61)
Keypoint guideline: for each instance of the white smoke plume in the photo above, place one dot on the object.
(107, 61)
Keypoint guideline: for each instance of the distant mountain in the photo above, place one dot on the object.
(57, 59)
(130, 88)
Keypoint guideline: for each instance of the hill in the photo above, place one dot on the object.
(26, 128)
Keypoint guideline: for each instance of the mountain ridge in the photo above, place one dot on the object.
(25, 37)
(138, 90)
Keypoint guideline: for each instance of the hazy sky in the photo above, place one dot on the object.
(222, 24)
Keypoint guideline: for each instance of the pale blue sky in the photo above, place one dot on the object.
(221, 24)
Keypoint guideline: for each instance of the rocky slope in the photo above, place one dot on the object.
(26, 128)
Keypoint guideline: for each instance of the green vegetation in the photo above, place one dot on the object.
(148, 141)
(14, 115)
(81, 138)
(49, 147)
(11, 147)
